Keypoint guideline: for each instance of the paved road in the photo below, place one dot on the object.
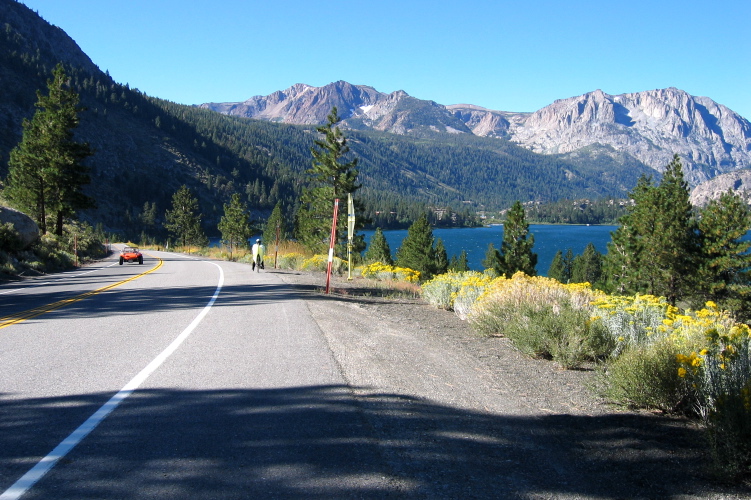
(250, 404)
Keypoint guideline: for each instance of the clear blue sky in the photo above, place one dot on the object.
(505, 55)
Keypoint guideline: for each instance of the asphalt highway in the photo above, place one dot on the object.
(178, 378)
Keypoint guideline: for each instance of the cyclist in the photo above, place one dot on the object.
(259, 252)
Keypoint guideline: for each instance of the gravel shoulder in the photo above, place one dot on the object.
(461, 415)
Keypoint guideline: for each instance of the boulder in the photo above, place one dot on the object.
(25, 225)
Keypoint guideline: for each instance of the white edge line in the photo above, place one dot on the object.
(23, 484)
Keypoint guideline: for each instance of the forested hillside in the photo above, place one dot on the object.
(146, 148)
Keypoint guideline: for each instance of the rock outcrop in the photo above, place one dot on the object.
(25, 226)
(738, 181)
(650, 126)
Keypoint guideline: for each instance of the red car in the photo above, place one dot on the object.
(131, 254)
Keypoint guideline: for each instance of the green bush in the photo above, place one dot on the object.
(725, 403)
(10, 240)
(646, 376)
(290, 261)
(564, 334)
(82, 238)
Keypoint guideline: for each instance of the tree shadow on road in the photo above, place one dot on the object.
(325, 442)
(125, 301)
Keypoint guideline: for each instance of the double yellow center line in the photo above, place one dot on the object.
(38, 311)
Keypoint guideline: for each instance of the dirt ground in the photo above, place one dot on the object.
(516, 427)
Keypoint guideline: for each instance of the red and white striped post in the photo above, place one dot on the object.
(331, 245)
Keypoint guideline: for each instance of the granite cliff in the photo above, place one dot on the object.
(648, 127)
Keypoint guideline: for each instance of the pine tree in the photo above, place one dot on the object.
(459, 264)
(184, 219)
(587, 267)
(235, 223)
(625, 250)
(516, 249)
(441, 258)
(46, 171)
(493, 260)
(568, 265)
(655, 249)
(417, 251)
(561, 267)
(276, 219)
(555, 270)
(378, 250)
(148, 217)
(329, 178)
(725, 270)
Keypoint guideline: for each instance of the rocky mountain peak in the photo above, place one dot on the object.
(649, 126)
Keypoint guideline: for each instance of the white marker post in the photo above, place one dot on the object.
(350, 233)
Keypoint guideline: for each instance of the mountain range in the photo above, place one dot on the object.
(650, 127)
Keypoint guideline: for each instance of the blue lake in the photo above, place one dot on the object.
(548, 240)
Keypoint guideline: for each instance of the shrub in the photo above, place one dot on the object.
(441, 290)
(10, 240)
(564, 334)
(384, 272)
(321, 263)
(633, 321)
(473, 286)
(694, 361)
(722, 374)
(292, 260)
(456, 290)
(645, 376)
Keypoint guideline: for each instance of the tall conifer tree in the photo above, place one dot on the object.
(330, 178)
(417, 251)
(276, 219)
(46, 170)
(235, 223)
(516, 248)
(441, 257)
(587, 267)
(184, 219)
(725, 270)
(378, 250)
(557, 270)
(655, 249)
(459, 264)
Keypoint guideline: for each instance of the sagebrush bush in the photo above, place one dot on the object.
(564, 334)
(646, 376)
(543, 318)
(457, 291)
(655, 355)
(321, 263)
(292, 260)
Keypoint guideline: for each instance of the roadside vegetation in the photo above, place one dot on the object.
(665, 326)
(79, 243)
